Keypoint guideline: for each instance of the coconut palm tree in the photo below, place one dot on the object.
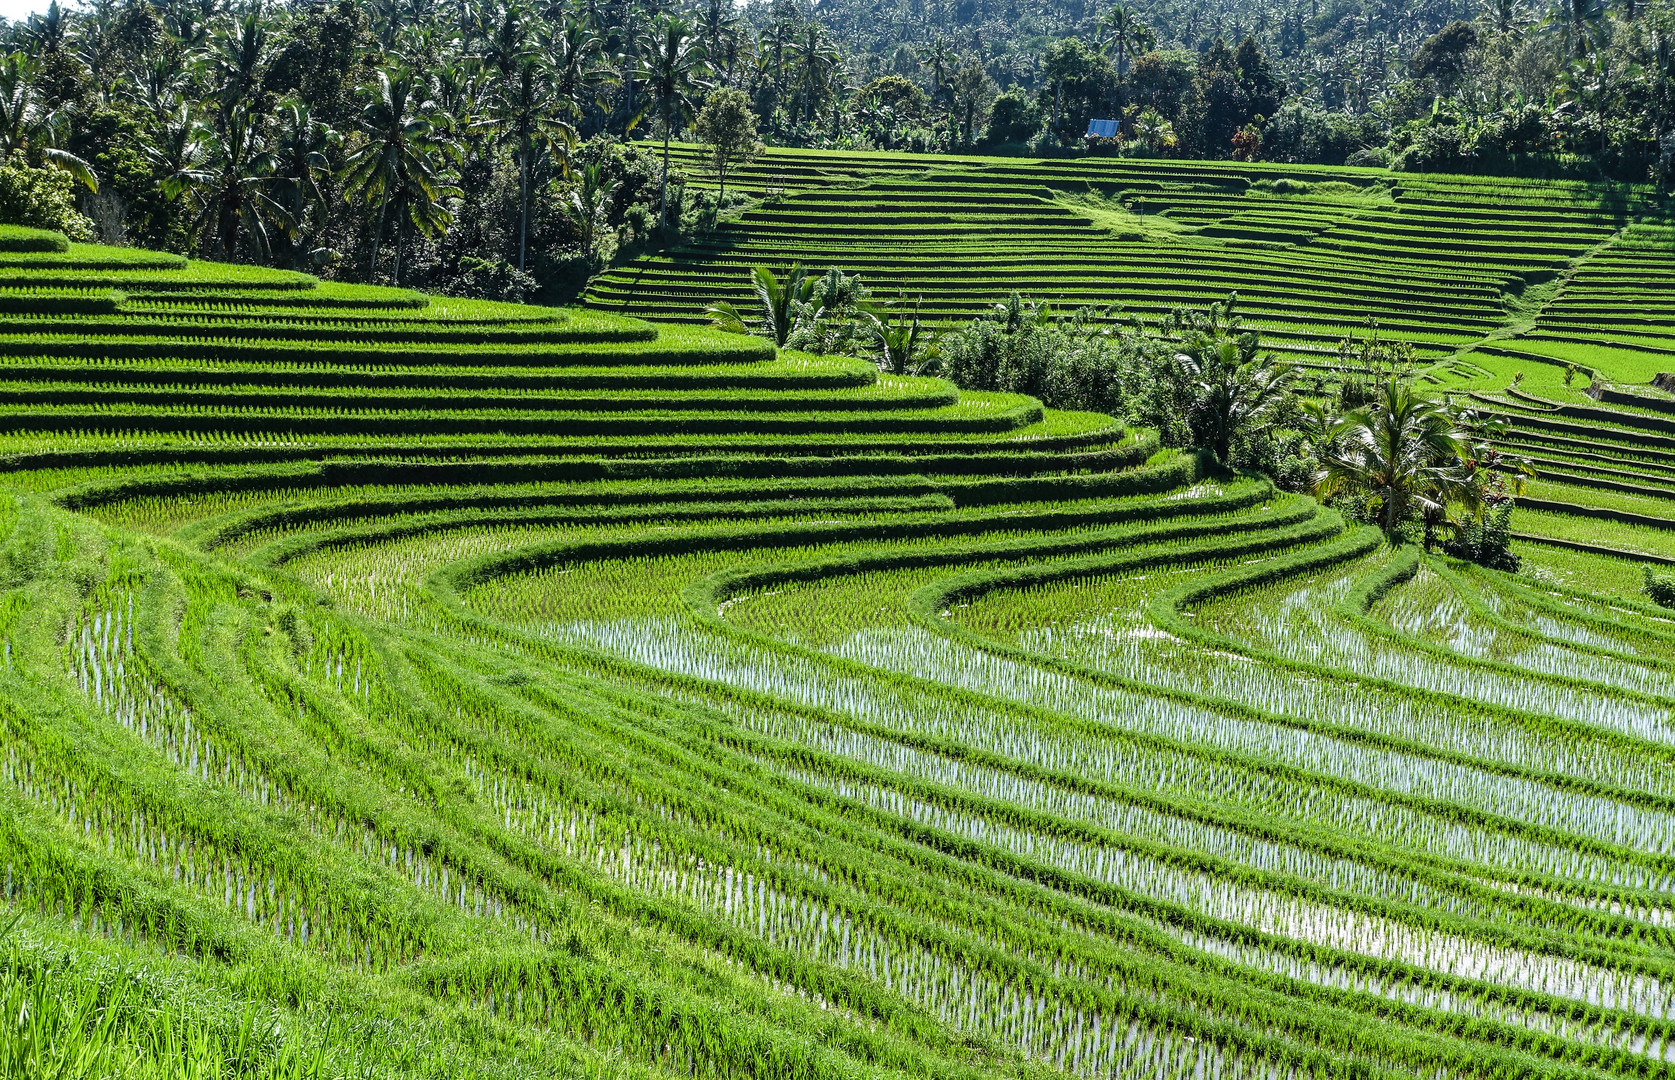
(776, 302)
(586, 202)
(300, 148)
(1122, 34)
(718, 28)
(815, 61)
(674, 69)
(576, 63)
(897, 335)
(1234, 393)
(1402, 452)
(238, 179)
(401, 160)
(30, 128)
(525, 108)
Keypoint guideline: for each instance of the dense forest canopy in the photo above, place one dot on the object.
(509, 148)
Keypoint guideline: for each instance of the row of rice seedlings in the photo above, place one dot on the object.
(108, 669)
(1428, 609)
(807, 925)
(1612, 821)
(1189, 834)
(1297, 619)
(823, 612)
(1484, 1003)
(635, 585)
(1188, 769)
(1588, 620)
(1101, 623)
(1271, 911)
(1569, 626)
(1592, 1028)
(1080, 1041)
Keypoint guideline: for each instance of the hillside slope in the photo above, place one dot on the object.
(436, 688)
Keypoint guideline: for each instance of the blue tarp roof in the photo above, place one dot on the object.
(1102, 129)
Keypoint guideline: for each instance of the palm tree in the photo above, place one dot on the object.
(29, 127)
(586, 204)
(674, 70)
(239, 174)
(816, 62)
(1234, 393)
(939, 62)
(301, 162)
(576, 63)
(900, 340)
(1402, 452)
(524, 106)
(776, 303)
(1581, 22)
(1122, 34)
(235, 61)
(718, 28)
(969, 92)
(505, 39)
(401, 158)
(177, 154)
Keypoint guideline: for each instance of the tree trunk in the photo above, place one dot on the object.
(377, 237)
(523, 190)
(663, 195)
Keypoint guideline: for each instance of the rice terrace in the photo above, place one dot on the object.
(1101, 609)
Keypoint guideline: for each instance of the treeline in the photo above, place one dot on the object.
(1581, 88)
(510, 148)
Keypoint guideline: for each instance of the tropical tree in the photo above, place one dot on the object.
(674, 72)
(1122, 34)
(776, 303)
(898, 336)
(301, 149)
(718, 28)
(815, 62)
(525, 108)
(30, 129)
(400, 158)
(1235, 393)
(236, 183)
(1400, 455)
(576, 64)
(727, 127)
(235, 60)
(586, 203)
(1581, 24)
(969, 93)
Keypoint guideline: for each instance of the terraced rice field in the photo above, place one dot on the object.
(1488, 279)
(451, 688)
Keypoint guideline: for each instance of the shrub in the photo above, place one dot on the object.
(41, 199)
(1487, 540)
(1660, 587)
(1013, 118)
(491, 279)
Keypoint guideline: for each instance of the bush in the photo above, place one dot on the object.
(1013, 119)
(41, 199)
(491, 279)
(1660, 587)
(1487, 540)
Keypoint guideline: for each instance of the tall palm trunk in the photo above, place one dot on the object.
(523, 200)
(663, 195)
(378, 236)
